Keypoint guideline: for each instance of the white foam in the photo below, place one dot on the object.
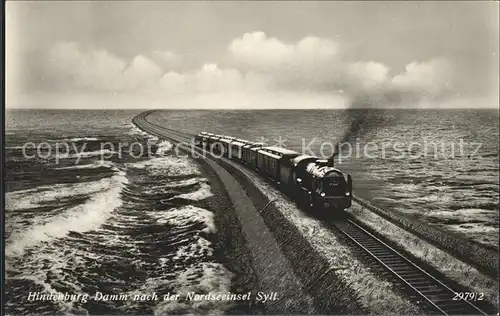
(474, 228)
(180, 183)
(164, 147)
(81, 139)
(196, 249)
(202, 193)
(81, 218)
(94, 165)
(162, 189)
(137, 131)
(134, 130)
(186, 215)
(33, 198)
(169, 166)
(86, 154)
(434, 198)
(65, 258)
(201, 278)
(465, 214)
(405, 187)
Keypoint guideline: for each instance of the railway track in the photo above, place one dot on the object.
(157, 130)
(421, 285)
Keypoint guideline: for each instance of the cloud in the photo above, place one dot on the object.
(166, 59)
(317, 64)
(367, 75)
(74, 66)
(259, 64)
(142, 73)
(433, 77)
(210, 78)
(255, 49)
(71, 66)
(310, 64)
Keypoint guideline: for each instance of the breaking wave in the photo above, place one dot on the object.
(77, 139)
(167, 166)
(88, 154)
(42, 195)
(81, 218)
(94, 165)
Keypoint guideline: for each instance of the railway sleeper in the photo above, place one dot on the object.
(391, 274)
(383, 256)
(396, 262)
(368, 242)
(436, 294)
(379, 255)
(372, 243)
(356, 235)
(376, 249)
(420, 282)
(405, 270)
(409, 272)
(397, 265)
(358, 239)
(429, 287)
(407, 277)
(416, 278)
(421, 285)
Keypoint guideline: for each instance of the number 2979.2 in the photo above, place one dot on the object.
(468, 296)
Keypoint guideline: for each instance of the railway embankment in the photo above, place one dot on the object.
(319, 278)
(273, 255)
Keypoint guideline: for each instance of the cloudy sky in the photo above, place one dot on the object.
(126, 54)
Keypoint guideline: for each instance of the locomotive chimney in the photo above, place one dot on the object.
(331, 160)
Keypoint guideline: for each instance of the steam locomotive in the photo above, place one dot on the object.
(306, 178)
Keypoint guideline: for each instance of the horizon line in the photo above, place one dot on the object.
(257, 109)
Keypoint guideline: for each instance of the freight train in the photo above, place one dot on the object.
(308, 179)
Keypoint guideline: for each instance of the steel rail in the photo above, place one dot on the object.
(433, 291)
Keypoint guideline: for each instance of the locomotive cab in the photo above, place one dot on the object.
(300, 175)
